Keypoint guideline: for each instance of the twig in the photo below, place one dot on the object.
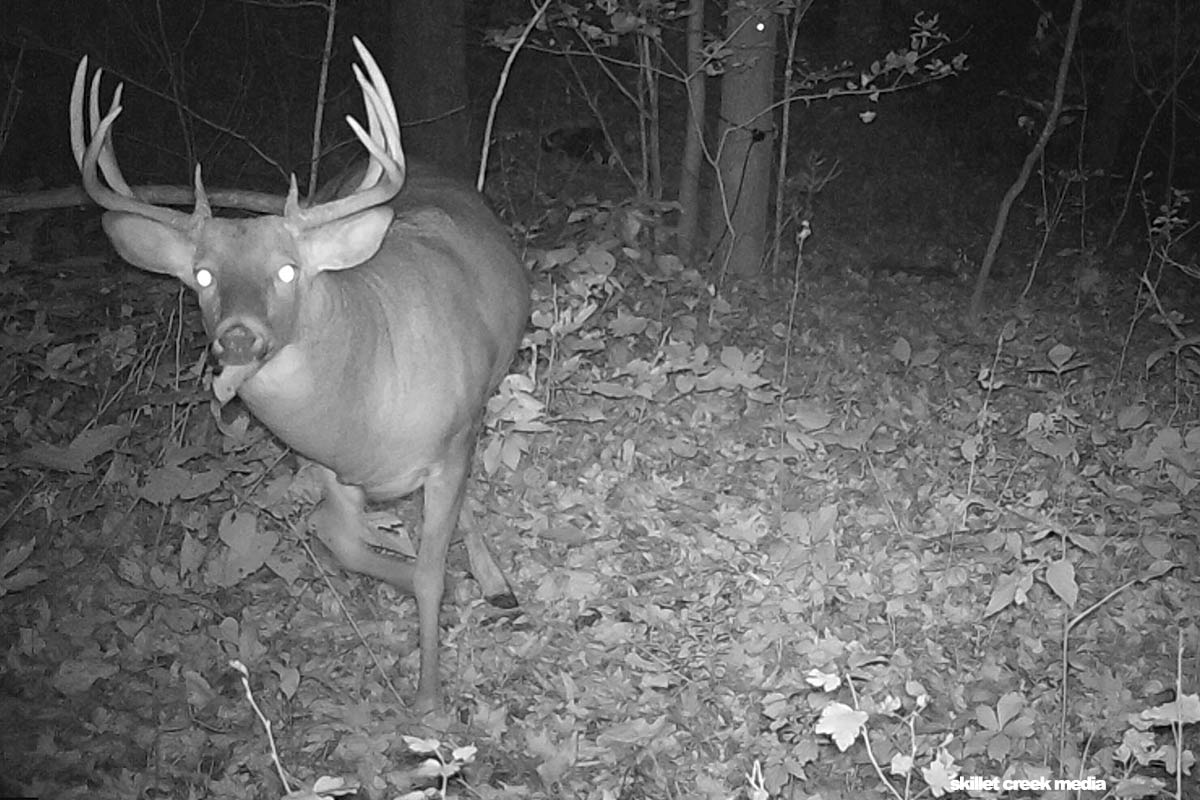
(319, 117)
(1039, 147)
(508, 62)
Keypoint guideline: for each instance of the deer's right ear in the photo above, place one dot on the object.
(151, 245)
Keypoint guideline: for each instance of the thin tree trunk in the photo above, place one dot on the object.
(689, 177)
(1018, 185)
(745, 147)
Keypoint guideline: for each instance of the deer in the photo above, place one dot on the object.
(366, 331)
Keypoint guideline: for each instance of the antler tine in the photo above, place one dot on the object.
(382, 126)
(104, 196)
(78, 145)
(382, 101)
(108, 159)
(388, 106)
(108, 163)
(385, 173)
(117, 195)
(374, 169)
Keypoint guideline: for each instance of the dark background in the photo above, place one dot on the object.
(247, 73)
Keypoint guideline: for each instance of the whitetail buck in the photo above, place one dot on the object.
(366, 332)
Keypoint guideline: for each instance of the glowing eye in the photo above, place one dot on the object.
(286, 273)
(204, 278)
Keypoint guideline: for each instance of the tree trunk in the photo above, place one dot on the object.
(689, 177)
(429, 81)
(747, 135)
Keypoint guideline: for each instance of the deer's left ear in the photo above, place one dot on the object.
(345, 242)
